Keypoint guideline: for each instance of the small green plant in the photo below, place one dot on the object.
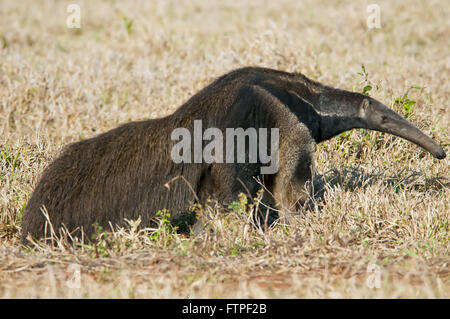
(258, 244)
(4, 41)
(165, 228)
(98, 232)
(106, 97)
(236, 250)
(20, 213)
(239, 207)
(127, 23)
(183, 247)
(99, 246)
(407, 103)
(11, 162)
(367, 84)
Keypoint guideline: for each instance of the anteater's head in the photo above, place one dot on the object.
(345, 110)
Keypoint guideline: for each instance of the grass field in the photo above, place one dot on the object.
(384, 214)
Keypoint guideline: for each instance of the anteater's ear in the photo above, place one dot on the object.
(365, 104)
(364, 108)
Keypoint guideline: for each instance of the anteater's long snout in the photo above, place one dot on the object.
(381, 118)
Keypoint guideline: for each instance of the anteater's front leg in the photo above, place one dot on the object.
(291, 183)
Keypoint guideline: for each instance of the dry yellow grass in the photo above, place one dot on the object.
(386, 201)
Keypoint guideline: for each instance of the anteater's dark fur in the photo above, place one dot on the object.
(122, 173)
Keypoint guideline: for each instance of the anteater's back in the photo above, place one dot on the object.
(121, 174)
(117, 175)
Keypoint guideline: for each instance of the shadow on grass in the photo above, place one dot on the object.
(347, 179)
(356, 178)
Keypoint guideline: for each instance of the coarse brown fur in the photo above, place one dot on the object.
(124, 173)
